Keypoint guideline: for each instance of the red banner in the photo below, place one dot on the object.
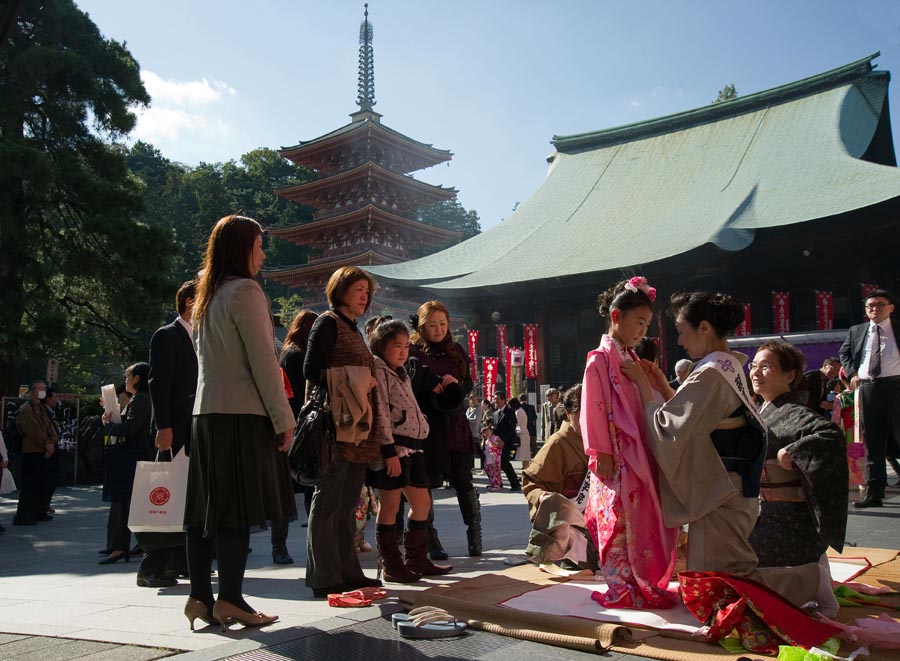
(744, 329)
(473, 353)
(501, 341)
(867, 289)
(824, 310)
(531, 355)
(781, 312)
(490, 377)
(507, 356)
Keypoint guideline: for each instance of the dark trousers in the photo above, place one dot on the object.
(49, 480)
(279, 533)
(163, 553)
(31, 488)
(118, 536)
(331, 534)
(880, 401)
(506, 465)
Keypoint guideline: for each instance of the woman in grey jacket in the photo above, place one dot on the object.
(239, 477)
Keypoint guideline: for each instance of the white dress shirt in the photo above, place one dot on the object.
(890, 357)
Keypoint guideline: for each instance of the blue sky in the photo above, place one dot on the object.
(491, 80)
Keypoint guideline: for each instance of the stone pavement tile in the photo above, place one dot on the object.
(29, 645)
(39, 628)
(67, 649)
(129, 653)
(50, 611)
(177, 643)
(529, 650)
(8, 638)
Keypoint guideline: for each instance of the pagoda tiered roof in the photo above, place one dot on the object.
(317, 232)
(366, 183)
(293, 276)
(365, 140)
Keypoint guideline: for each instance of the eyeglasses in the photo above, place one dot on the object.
(875, 306)
(765, 368)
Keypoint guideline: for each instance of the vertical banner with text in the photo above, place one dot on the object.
(473, 353)
(489, 366)
(781, 312)
(514, 364)
(866, 289)
(501, 342)
(531, 356)
(824, 310)
(744, 329)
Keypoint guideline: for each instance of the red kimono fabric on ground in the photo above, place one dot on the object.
(725, 602)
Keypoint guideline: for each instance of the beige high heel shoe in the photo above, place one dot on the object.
(194, 609)
(227, 613)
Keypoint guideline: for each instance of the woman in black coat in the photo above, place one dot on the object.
(128, 442)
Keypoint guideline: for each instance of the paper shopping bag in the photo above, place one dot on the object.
(159, 495)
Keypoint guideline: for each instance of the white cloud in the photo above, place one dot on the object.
(634, 103)
(188, 119)
(185, 92)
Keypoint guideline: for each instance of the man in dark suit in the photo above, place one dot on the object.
(173, 383)
(531, 415)
(505, 429)
(870, 358)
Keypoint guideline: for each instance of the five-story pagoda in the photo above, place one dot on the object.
(365, 199)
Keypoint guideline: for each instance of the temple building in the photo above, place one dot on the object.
(794, 190)
(365, 198)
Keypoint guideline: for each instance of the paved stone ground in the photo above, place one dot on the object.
(57, 603)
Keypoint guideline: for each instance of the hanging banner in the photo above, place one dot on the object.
(501, 342)
(490, 377)
(661, 343)
(867, 289)
(744, 329)
(824, 310)
(473, 353)
(507, 358)
(515, 384)
(781, 312)
(531, 356)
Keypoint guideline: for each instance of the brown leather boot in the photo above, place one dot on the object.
(415, 543)
(393, 569)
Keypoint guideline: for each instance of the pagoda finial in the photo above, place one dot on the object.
(365, 97)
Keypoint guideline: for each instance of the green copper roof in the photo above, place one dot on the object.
(637, 194)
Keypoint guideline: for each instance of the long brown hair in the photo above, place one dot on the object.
(448, 345)
(298, 333)
(227, 256)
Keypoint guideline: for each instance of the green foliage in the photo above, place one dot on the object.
(80, 276)
(287, 307)
(726, 93)
(451, 215)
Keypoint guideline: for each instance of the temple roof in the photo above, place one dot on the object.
(299, 231)
(310, 153)
(636, 194)
(309, 192)
(288, 274)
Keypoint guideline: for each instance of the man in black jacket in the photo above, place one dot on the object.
(173, 384)
(505, 429)
(870, 358)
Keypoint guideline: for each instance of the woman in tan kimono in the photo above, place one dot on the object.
(707, 440)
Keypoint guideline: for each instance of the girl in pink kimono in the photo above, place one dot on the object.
(623, 514)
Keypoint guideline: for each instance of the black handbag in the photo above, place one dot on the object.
(314, 452)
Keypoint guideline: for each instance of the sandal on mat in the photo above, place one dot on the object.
(427, 622)
(372, 594)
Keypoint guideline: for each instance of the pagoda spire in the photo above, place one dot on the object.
(365, 97)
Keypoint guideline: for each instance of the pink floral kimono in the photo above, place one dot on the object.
(623, 514)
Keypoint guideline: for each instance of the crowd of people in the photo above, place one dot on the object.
(753, 467)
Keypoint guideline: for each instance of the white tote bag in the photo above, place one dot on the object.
(159, 495)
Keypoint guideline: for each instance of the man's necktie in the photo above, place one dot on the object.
(875, 355)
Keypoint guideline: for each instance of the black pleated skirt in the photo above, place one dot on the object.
(238, 478)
